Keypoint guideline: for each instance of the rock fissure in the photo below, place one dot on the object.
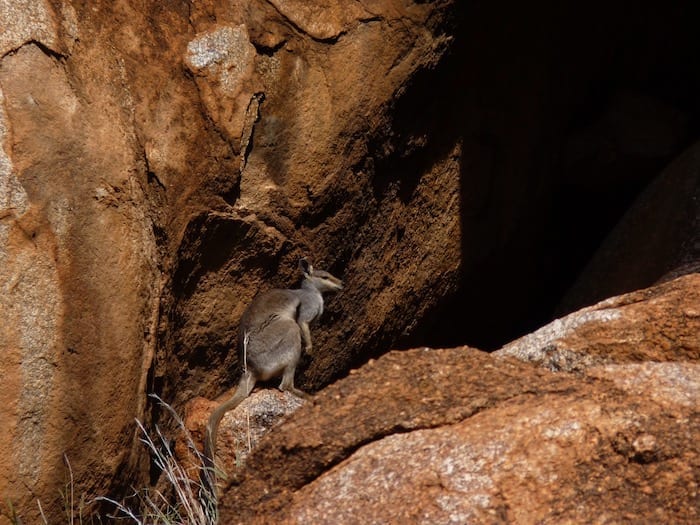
(42, 46)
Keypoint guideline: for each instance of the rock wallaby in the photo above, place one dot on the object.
(271, 333)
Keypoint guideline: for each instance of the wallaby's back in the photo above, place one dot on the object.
(269, 336)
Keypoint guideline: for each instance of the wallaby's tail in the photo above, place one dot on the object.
(208, 474)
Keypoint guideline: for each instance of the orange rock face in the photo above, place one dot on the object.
(661, 323)
(457, 436)
(159, 164)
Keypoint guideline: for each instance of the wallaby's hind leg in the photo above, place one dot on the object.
(288, 383)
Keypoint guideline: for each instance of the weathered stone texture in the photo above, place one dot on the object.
(457, 436)
(275, 79)
(79, 266)
(583, 456)
(240, 430)
(162, 162)
(661, 323)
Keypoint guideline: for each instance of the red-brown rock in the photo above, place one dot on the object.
(661, 323)
(240, 429)
(455, 436)
(590, 454)
(159, 164)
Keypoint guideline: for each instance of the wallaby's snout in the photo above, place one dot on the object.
(326, 282)
(321, 280)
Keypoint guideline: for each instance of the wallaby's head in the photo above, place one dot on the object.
(319, 279)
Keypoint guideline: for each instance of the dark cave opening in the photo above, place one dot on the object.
(615, 100)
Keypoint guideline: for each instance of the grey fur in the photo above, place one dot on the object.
(271, 333)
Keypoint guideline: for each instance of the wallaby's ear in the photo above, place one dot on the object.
(305, 266)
